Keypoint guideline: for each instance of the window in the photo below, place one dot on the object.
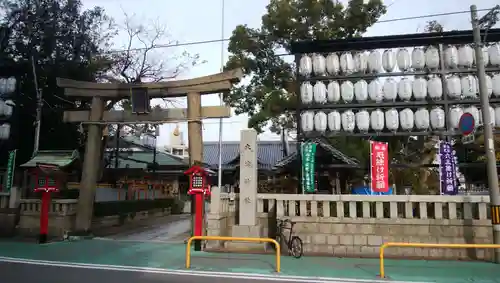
(176, 151)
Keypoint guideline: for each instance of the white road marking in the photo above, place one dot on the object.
(229, 275)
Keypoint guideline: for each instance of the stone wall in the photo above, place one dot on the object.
(62, 214)
(222, 215)
(355, 225)
(363, 237)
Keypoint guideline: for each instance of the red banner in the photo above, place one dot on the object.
(379, 165)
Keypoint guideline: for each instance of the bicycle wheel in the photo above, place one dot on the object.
(296, 247)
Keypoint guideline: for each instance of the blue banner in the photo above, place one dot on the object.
(447, 169)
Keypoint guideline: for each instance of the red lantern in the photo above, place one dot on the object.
(197, 187)
(46, 184)
(197, 180)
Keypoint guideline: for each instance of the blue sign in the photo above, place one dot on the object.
(467, 124)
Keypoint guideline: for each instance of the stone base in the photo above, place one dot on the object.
(243, 231)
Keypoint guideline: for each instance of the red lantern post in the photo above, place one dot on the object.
(46, 185)
(198, 187)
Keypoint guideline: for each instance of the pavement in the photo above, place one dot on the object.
(148, 229)
(142, 257)
(157, 254)
(172, 228)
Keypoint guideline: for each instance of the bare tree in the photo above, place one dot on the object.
(143, 59)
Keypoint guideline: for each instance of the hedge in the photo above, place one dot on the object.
(121, 207)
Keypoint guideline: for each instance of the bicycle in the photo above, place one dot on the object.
(294, 243)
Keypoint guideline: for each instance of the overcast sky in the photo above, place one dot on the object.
(201, 20)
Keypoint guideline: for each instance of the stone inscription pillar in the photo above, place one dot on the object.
(248, 178)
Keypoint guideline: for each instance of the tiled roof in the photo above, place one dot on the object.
(141, 159)
(268, 153)
(60, 158)
(337, 154)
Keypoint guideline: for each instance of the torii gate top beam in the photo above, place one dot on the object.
(216, 83)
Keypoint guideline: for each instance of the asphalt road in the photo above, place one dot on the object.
(15, 272)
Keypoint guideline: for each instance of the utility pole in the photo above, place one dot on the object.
(489, 144)
(39, 105)
(221, 96)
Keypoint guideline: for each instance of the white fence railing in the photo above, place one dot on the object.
(57, 206)
(393, 206)
(223, 202)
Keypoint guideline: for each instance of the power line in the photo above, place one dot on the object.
(191, 43)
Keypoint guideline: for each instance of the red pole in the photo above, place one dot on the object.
(198, 220)
(44, 217)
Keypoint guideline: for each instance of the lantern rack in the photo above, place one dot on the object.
(372, 43)
(441, 69)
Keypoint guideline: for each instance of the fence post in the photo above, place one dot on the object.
(215, 200)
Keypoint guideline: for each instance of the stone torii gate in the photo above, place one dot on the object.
(97, 116)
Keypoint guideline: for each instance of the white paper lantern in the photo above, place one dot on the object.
(348, 121)
(422, 119)
(469, 86)
(305, 65)
(453, 87)
(494, 54)
(406, 119)
(418, 58)
(5, 131)
(9, 104)
(360, 62)
(347, 91)
(375, 91)
(465, 56)
(405, 89)
(346, 63)
(451, 57)
(475, 113)
(437, 118)
(363, 120)
(374, 61)
(435, 88)
(392, 120)
(6, 108)
(307, 121)
(306, 92)
(388, 60)
(332, 64)
(489, 85)
(11, 85)
(454, 116)
(334, 121)
(361, 90)
(497, 115)
(419, 88)
(390, 89)
(486, 58)
(319, 64)
(432, 57)
(377, 120)
(495, 84)
(319, 92)
(333, 92)
(403, 59)
(320, 121)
